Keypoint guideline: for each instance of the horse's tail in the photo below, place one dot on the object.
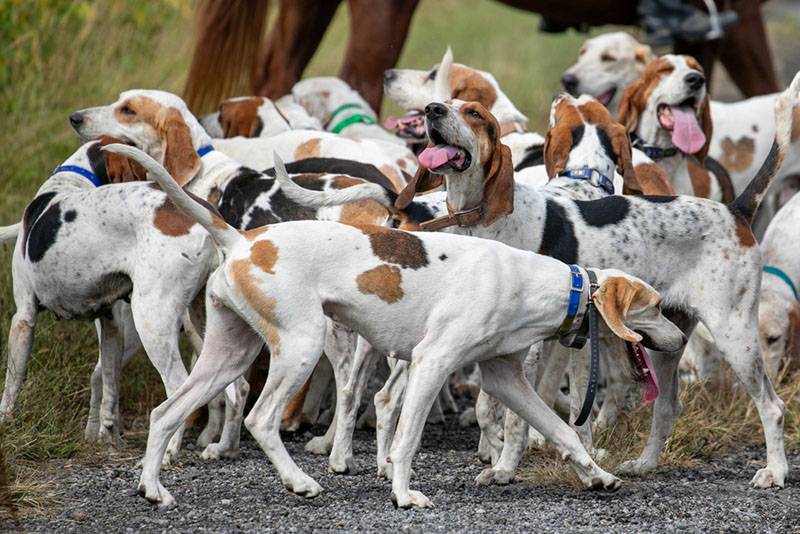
(226, 51)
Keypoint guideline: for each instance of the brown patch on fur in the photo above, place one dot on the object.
(653, 180)
(470, 85)
(264, 254)
(341, 181)
(795, 124)
(395, 246)
(383, 281)
(614, 299)
(744, 234)
(693, 64)
(634, 99)
(363, 212)
(738, 155)
(700, 178)
(119, 168)
(391, 173)
(240, 117)
(171, 221)
(214, 196)
(294, 410)
(309, 180)
(250, 235)
(308, 149)
(402, 163)
(247, 284)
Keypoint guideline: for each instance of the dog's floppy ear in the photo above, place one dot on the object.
(643, 55)
(180, 157)
(498, 186)
(557, 146)
(708, 128)
(120, 169)
(613, 300)
(424, 180)
(621, 144)
(240, 117)
(631, 105)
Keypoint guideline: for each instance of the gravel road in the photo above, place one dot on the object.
(246, 495)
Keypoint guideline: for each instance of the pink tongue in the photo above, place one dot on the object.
(650, 380)
(390, 123)
(435, 156)
(687, 134)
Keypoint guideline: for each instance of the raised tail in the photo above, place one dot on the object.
(746, 204)
(320, 199)
(223, 234)
(9, 233)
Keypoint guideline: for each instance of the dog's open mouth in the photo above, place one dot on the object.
(606, 97)
(440, 155)
(642, 368)
(410, 125)
(681, 120)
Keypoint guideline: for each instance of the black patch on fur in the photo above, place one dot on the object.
(32, 212)
(418, 212)
(241, 193)
(288, 210)
(356, 169)
(604, 211)
(43, 233)
(534, 155)
(577, 135)
(660, 199)
(443, 257)
(260, 127)
(605, 141)
(558, 238)
(745, 205)
(98, 163)
(70, 215)
(308, 182)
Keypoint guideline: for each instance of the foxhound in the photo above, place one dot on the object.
(403, 292)
(633, 233)
(257, 116)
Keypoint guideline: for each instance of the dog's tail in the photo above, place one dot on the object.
(9, 233)
(320, 199)
(746, 204)
(223, 234)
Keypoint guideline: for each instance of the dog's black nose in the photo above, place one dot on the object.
(695, 80)
(76, 119)
(389, 75)
(570, 83)
(435, 110)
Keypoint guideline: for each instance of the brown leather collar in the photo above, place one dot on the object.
(511, 127)
(469, 217)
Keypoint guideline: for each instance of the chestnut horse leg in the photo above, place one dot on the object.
(378, 30)
(745, 51)
(295, 37)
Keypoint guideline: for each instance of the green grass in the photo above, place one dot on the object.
(57, 56)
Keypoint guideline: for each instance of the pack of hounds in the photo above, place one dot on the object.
(448, 250)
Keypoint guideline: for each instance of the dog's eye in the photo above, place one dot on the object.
(771, 340)
(475, 114)
(608, 58)
(432, 74)
(127, 111)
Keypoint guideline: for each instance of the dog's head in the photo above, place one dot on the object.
(322, 96)
(412, 90)
(465, 148)
(246, 116)
(157, 122)
(583, 134)
(632, 311)
(668, 106)
(779, 329)
(606, 65)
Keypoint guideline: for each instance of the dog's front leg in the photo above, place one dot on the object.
(388, 402)
(20, 342)
(111, 348)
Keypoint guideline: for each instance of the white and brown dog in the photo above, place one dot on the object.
(405, 294)
(257, 116)
(633, 233)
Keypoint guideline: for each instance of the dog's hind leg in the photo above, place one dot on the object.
(503, 377)
(20, 342)
(111, 348)
(388, 402)
(300, 349)
(348, 399)
(229, 348)
(228, 445)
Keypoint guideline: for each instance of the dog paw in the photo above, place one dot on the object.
(536, 440)
(410, 499)
(492, 476)
(169, 457)
(156, 494)
(92, 431)
(109, 436)
(385, 471)
(765, 478)
(605, 482)
(215, 451)
(319, 445)
(342, 466)
(304, 486)
(635, 467)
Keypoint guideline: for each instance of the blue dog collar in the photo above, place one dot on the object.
(651, 151)
(203, 150)
(783, 276)
(86, 173)
(575, 292)
(592, 176)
